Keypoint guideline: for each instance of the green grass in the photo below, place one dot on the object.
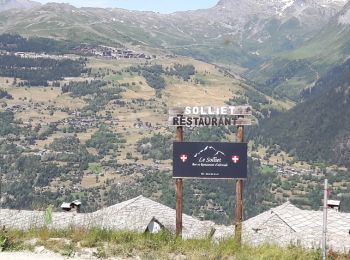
(95, 168)
(266, 169)
(202, 79)
(148, 246)
(115, 77)
(77, 195)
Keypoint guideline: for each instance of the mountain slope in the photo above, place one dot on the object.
(17, 4)
(330, 47)
(317, 129)
(233, 32)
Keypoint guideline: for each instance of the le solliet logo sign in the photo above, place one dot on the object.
(210, 160)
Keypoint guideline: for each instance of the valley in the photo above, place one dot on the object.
(85, 98)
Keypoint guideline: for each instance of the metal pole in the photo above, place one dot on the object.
(179, 190)
(325, 206)
(0, 187)
(239, 195)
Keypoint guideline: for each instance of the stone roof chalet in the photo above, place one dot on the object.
(287, 224)
(282, 225)
(133, 215)
(137, 213)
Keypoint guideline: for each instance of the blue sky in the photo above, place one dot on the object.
(162, 6)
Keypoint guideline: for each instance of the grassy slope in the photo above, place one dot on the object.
(146, 246)
(217, 90)
(211, 42)
(328, 48)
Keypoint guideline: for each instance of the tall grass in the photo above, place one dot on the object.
(150, 246)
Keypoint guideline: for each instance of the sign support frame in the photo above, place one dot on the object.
(240, 112)
(239, 195)
(179, 189)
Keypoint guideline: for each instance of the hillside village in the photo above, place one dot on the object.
(111, 52)
(101, 51)
(136, 110)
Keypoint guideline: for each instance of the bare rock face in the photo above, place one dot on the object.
(344, 15)
(295, 17)
(17, 4)
(280, 8)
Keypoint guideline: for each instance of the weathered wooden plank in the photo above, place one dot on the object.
(208, 121)
(243, 121)
(174, 111)
(211, 110)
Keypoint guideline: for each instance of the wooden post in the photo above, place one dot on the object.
(239, 195)
(179, 189)
(324, 233)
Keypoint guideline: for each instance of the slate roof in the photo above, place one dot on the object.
(133, 215)
(334, 202)
(137, 213)
(287, 224)
(282, 225)
(65, 205)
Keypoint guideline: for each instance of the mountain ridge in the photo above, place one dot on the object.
(17, 4)
(221, 25)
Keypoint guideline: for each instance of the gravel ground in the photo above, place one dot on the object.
(32, 256)
(42, 256)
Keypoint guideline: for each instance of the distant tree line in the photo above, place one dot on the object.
(101, 93)
(154, 73)
(83, 88)
(104, 140)
(16, 43)
(71, 151)
(182, 71)
(38, 71)
(157, 147)
(8, 125)
(5, 94)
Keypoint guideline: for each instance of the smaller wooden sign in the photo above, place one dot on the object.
(211, 111)
(208, 121)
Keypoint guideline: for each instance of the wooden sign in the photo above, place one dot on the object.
(208, 121)
(211, 111)
(210, 160)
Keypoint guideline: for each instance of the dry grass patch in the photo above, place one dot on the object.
(187, 94)
(163, 245)
(89, 181)
(143, 92)
(36, 94)
(96, 63)
(5, 82)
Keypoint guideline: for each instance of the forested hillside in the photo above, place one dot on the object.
(318, 129)
(337, 76)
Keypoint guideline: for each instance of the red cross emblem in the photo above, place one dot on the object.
(235, 159)
(183, 157)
